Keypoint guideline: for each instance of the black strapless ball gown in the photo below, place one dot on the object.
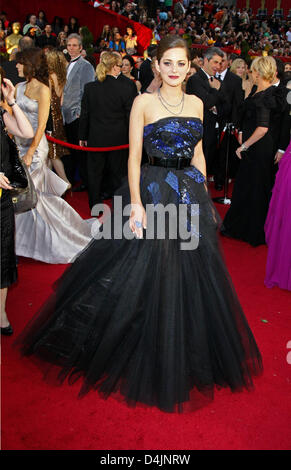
(159, 325)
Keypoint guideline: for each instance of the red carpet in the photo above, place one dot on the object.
(37, 416)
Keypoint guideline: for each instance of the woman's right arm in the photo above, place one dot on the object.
(136, 124)
(258, 134)
(17, 124)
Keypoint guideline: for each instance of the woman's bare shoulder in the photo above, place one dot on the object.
(43, 89)
(142, 102)
(194, 106)
(143, 99)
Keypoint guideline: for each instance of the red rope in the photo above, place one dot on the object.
(86, 149)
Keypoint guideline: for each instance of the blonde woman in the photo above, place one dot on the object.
(255, 178)
(240, 68)
(57, 66)
(104, 122)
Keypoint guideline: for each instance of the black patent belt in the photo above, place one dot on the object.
(179, 163)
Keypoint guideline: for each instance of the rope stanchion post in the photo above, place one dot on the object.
(226, 199)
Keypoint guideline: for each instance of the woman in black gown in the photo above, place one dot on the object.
(255, 178)
(16, 124)
(138, 314)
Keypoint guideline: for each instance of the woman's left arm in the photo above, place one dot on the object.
(263, 113)
(43, 113)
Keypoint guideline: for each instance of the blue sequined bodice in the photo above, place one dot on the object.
(172, 137)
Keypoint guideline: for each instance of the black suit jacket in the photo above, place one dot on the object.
(43, 40)
(283, 121)
(231, 88)
(105, 110)
(198, 85)
(145, 74)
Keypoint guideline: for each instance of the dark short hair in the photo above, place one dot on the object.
(130, 59)
(212, 51)
(280, 68)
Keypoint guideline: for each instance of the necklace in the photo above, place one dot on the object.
(172, 105)
(169, 110)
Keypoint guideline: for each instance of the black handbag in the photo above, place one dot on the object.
(24, 199)
(18, 178)
(23, 194)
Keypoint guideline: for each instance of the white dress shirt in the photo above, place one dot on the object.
(71, 65)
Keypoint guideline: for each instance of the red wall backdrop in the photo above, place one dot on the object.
(269, 4)
(94, 18)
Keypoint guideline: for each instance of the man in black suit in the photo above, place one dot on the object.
(104, 122)
(204, 85)
(48, 38)
(146, 74)
(231, 87)
(283, 120)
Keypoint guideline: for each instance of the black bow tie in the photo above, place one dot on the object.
(74, 60)
(219, 77)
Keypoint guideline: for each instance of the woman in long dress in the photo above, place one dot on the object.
(278, 228)
(53, 232)
(251, 195)
(57, 66)
(140, 312)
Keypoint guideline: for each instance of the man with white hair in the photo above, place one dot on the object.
(79, 72)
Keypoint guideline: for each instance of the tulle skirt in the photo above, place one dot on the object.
(144, 319)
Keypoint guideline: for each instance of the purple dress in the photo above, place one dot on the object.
(278, 227)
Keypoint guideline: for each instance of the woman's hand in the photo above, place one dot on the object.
(137, 220)
(8, 90)
(4, 182)
(238, 152)
(278, 157)
(27, 159)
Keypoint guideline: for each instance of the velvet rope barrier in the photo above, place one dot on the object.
(86, 149)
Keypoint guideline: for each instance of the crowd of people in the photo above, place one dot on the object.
(201, 23)
(51, 79)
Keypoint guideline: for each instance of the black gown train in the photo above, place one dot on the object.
(157, 324)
